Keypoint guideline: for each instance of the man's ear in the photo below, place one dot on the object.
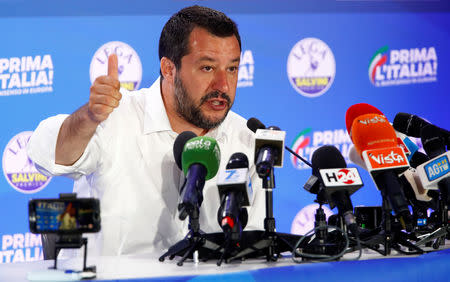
(168, 69)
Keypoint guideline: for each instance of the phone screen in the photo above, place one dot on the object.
(64, 216)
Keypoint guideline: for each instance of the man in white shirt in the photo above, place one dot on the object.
(119, 146)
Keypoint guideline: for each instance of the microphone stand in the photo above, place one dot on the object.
(391, 236)
(194, 241)
(438, 235)
(268, 243)
(324, 242)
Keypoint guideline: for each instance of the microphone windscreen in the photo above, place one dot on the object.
(417, 159)
(408, 124)
(273, 127)
(326, 157)
(372, 131)
(357, 110)
(433, 143)
(254, 124)
(201, 150)
(237, 160)
(179, 143)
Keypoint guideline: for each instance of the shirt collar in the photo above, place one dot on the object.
(155, 119)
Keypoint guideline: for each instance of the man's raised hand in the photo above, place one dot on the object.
(105, 95)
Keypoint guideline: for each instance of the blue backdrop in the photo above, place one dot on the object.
(344, 52)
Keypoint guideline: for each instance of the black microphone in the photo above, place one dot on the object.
(254, 124)
(412, 125)
(337, 183)
(417, 159)
(438, 168)
(265, 155)
(414, 191)
(178, 145)
(269, 152)
(235, 192)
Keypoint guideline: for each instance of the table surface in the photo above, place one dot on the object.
(148, 266)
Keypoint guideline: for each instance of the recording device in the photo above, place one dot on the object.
(64, 216)
(269, 151)
(422, 193)
(437, 170)
(433, 171)
(358, 110)
(412, 125)
(376, 141)
(420, 198)
(62, 222)
(406, 144)
(411, 175)
(368, 217)
(235, 193)
(335, 183)
(254, 124)
(199, 159)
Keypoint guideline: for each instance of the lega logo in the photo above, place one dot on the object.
(19, 170)
(130, 67)
(311, 67)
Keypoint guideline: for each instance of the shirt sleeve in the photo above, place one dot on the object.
(41, 150)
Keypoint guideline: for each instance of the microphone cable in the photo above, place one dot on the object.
(322, 257)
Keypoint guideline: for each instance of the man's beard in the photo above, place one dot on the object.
(186, 108)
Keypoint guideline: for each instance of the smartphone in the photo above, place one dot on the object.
(64, 216)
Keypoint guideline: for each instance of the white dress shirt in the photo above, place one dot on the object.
(129, 165)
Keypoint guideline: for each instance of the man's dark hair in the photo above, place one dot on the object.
(174, 40)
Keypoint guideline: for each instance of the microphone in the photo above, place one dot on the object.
(254, 124)
(417, 159)
(406, 144)
(235, 192)
(269, 152)
(414, 190)
(412, 125)
(436, 170)
(199, 158)
(375, 139)
(423, 196)
(337, 183)
(357, 110)
(178, 145)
